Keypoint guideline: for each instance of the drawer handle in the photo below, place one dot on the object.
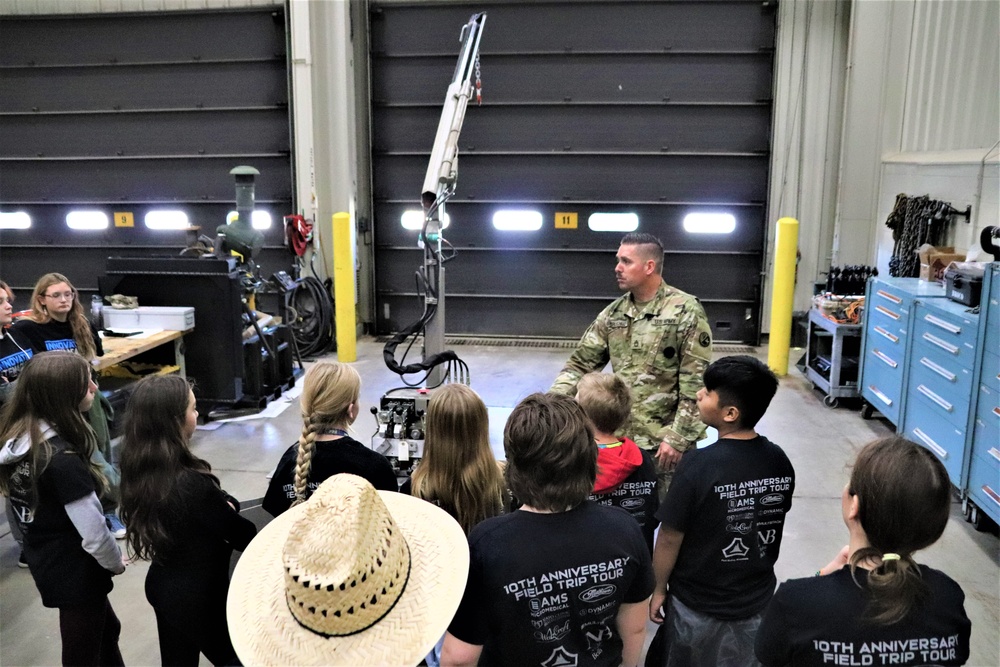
(885, 358)
(940, 370)
(944, 345)
(880, 330)
(996, 411)
(931, 445)
(947, 326)
(934, 397)
(886, 311)
(882, 397)
(889, 297)
(995, 453)
(994, 496)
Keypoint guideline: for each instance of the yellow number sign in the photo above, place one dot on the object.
(565, 220)
(124, 220)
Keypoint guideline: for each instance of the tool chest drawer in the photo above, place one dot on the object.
(945, 326)
(943, 439)
(987, 422)
(943, 399)
(887, 338)
(984, 481)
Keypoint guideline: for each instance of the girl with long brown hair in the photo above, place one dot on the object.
(180, 519)
(874, 596)
(47, 471)
(458, 471)
(329, 404)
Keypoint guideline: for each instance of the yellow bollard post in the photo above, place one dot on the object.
(344, 289)
(786, 242)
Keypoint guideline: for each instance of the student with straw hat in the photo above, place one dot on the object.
(353, 576)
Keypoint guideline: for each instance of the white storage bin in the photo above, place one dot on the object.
(171, 318)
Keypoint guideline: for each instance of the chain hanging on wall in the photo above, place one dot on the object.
(916, 221)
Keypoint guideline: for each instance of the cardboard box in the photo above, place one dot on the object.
(171, 318)
(933, 261)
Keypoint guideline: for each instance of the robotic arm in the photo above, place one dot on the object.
(442, 170)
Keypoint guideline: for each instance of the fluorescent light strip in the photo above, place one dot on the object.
(259, 220)
(709, 223)
(414, 220)
(613, 222)
(87, 220)
(15, 220)
(517, 221)
(167, 220)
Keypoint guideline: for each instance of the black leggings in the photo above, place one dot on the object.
(182, 639)
(90, 635)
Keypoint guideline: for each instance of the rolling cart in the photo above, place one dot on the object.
(832, 352)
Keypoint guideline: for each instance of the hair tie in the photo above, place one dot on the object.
(886, 557)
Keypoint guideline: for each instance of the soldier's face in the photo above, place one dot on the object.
(631, 270)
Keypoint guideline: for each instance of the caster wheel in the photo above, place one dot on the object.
(967, 509)
(866, 411)
(978, 519)
(831, 401)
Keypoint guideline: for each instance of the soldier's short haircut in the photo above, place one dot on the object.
(649, 246)
(605, 399)
(551, 455)
(743, 382)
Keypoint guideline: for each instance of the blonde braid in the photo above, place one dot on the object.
(303, 462)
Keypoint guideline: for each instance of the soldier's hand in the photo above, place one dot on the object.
(667, 457)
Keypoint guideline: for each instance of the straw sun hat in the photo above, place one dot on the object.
(353, 576)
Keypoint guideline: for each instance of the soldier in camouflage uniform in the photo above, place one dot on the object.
(658, 340)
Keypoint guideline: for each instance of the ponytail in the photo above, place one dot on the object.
(896, 586)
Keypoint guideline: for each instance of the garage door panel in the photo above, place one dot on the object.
(583, 177)
(142, 179)
(145, 87)
(679, 26)
(618, 78)
(701, 128)
(177, 133)
(471, 225)
(111, 38)
(545, 317)
(538, 273)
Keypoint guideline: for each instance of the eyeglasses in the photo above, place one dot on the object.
(61, 295)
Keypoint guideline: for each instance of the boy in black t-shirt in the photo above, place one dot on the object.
(562, 580)
(721, 524)
(626, 475)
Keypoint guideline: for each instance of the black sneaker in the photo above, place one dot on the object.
(21, 561)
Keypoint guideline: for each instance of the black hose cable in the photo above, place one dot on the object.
(389, 351)
(313, 328)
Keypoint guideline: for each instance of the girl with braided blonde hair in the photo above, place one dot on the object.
(329, 405)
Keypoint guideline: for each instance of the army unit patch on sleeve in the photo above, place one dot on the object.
(705, 339)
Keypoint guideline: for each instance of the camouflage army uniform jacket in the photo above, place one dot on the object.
(661, 352)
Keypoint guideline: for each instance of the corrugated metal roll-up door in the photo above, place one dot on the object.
(124, 114)
(660, 109)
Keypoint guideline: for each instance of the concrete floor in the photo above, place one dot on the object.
(820, 442)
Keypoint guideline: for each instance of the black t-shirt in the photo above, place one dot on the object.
(545, 589)
(64, 573)
(730, 500)
(331, 457)
(14, 354)
(51, 335)
(819, 621)
(637, 496)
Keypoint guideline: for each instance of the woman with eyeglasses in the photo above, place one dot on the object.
(58, 322)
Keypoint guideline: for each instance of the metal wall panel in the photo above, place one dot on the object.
(953, 79)
(126, 113)
(656, 108)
